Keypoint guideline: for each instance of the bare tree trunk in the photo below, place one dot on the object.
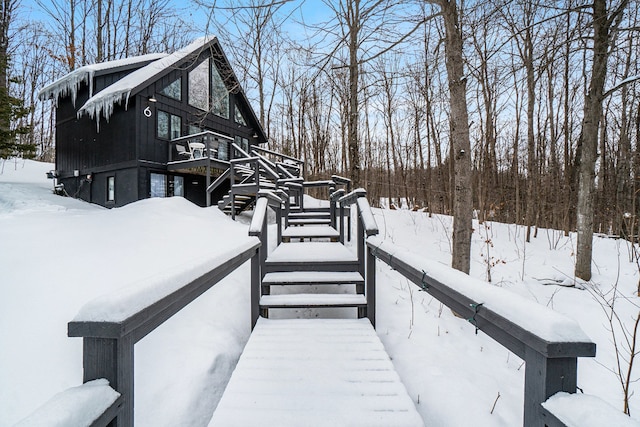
(353, 21)
(460, 143)
(602, 25)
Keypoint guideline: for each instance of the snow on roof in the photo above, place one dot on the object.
(105, 100)
(70, 83)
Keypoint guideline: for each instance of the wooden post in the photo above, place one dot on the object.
(112, 359)
(279, 223)
(255, 288)
(543, 378)
(332, 212)
(287, 206)
(370, 281)
(232, 183)
(361, 252)
(208, 182)
(342, 222)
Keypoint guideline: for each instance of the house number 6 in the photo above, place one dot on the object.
(147, 112)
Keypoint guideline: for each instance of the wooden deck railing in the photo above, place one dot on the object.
(547, 341)
(258, 228)
(108, 345)
(365, 227)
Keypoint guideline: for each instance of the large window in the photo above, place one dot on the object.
(199, 86)
(176, 186)
(111, 189)
(169, 125)
(166, 185)
(207, 90)
(173, 90)
(219, 94)
(158, 185)
(242, 143)
(176, 125)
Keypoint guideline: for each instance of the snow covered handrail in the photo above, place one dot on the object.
(258, 228)
(340, 180)
(352, 197)
(112, 324)
(283, 156)
(266, 198)
(321, 183)
(370, 226)
(547, 341)
(92, 404)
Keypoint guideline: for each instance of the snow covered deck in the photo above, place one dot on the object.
(299, 252)
(311, 232)
(329, 372)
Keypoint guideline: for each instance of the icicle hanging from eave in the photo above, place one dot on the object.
(104, 105)
(68, 85)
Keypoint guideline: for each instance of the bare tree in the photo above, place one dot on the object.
(459, 136)
(605, 24)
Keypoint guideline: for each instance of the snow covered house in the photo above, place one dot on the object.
(151, 126)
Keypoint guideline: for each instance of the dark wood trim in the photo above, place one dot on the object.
(550, 367)
(149, 318)
(108, 415)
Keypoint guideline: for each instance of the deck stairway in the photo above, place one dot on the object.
(311, 267)
(313, 357)
(249, 173)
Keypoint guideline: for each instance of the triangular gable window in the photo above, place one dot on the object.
(199, 86)
(173, 90)
(219, 94)
(239, 117)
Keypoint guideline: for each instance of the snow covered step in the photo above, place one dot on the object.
(312, 300)
(315, 372)
(309, 214)
(310, 221)
(311, 256)
(313, 278)
(310, 232)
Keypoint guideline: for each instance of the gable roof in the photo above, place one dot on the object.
(104, 101)
(158, 65)
(70, 83)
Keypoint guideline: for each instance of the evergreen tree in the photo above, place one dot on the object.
(12, 109)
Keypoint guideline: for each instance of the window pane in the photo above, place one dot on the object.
(199, 86)
(158, 185)
(178, 186)
(219, 95)
(174, 90)
(238, 115)
(223, 150)
(176, 126)
(163, 125)
(111, 189)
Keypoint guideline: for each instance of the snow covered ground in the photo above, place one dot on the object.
(56, 254)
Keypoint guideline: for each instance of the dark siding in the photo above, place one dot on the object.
(194, 189)
(127, 186)
(79, 145)
(127, 145)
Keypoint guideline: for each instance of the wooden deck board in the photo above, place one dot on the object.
(311, 231)
(304, 252)
(315, 372)
(313, 300)
(312, 278)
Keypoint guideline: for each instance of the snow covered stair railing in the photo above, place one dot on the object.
(583, 410)
(547, 341)
(112, 324)
(91, 404)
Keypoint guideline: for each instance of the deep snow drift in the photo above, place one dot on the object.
(57, 254)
